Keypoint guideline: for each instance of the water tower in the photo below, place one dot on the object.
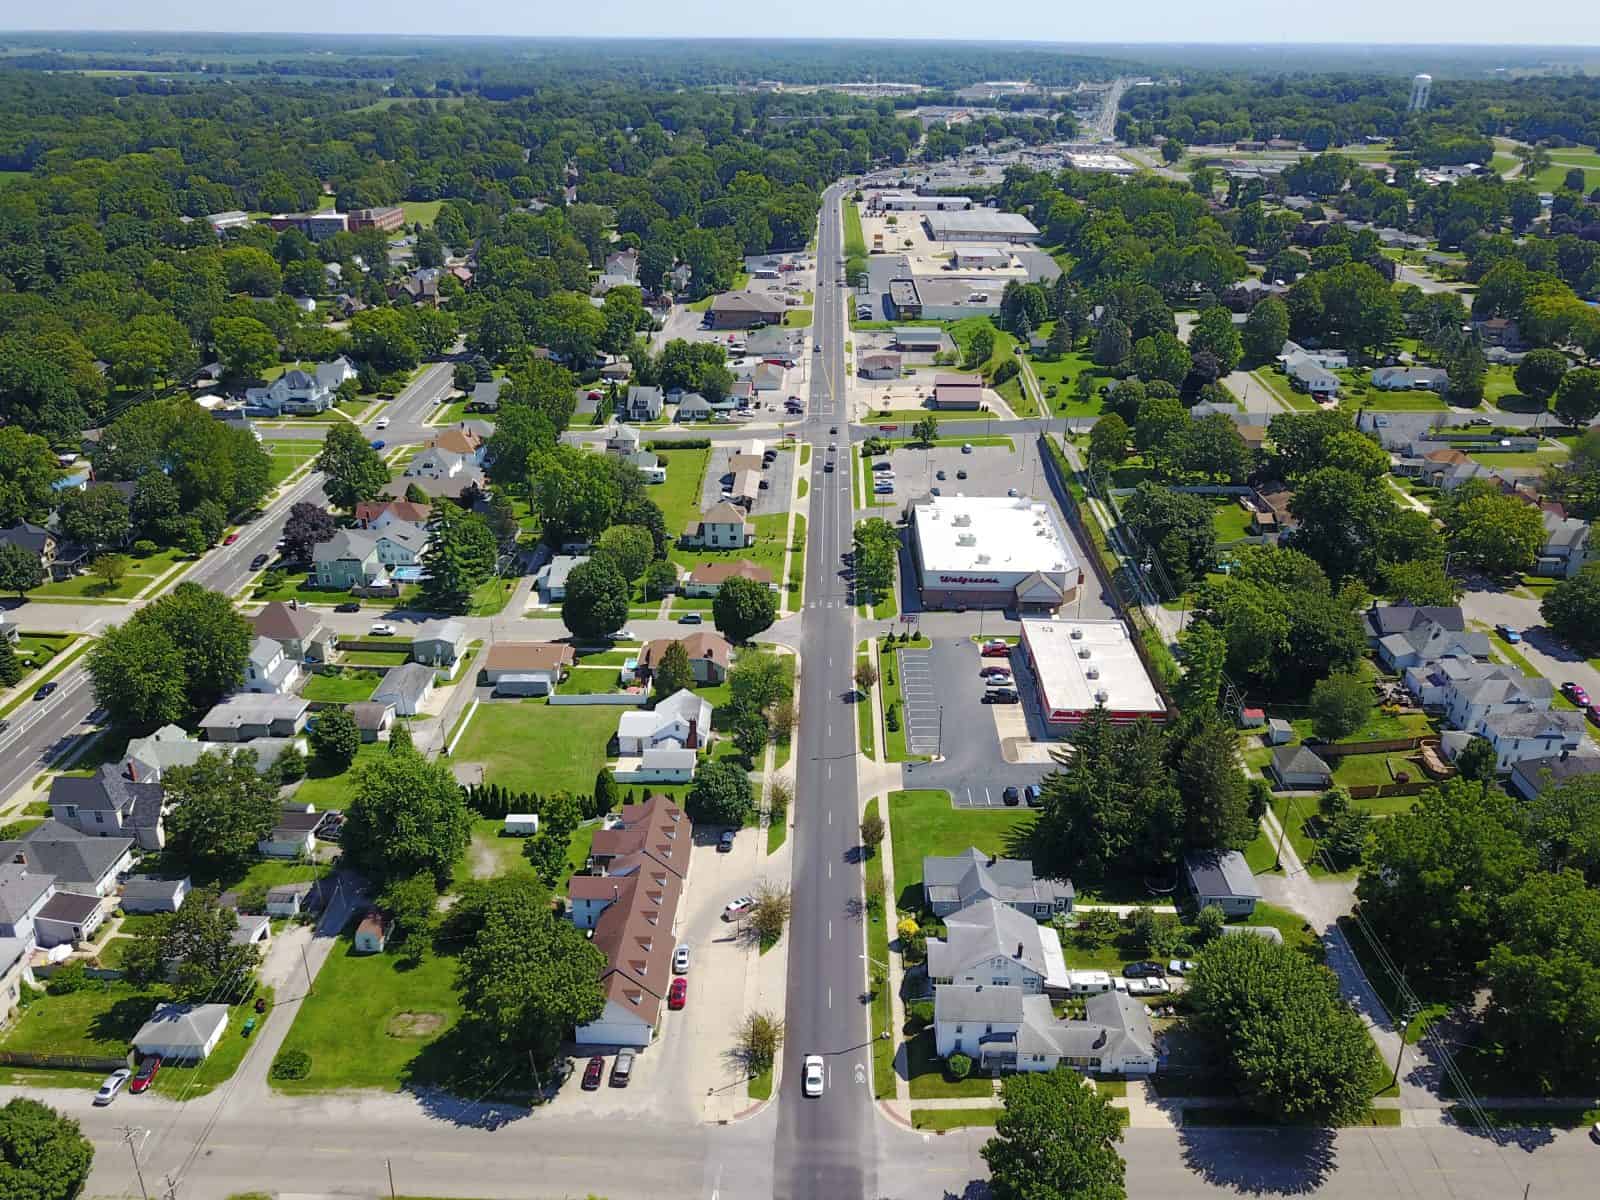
(1421, 86)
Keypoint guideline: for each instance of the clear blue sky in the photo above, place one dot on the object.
(1553, 22)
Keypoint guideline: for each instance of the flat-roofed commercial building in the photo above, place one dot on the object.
(992, 552)
(1078, 665)
(979, 225)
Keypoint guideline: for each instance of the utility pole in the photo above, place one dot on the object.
(940, 749)
(389, 1167)
(172, 1187)
(127, 1135)
(307, 966)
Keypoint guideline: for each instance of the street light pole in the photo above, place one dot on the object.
(127, 1135)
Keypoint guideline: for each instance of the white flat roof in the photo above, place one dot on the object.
(1065, 652)
(991, 537)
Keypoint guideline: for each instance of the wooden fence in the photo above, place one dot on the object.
(1327, 750)
(61, 1062)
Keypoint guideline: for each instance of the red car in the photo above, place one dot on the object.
(1594, 714)
(593, 1073)
(148, 1070)
(992, 669)
(230, 539)
(678, 993)
(996, 649)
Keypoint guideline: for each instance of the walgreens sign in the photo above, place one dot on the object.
(967, 580)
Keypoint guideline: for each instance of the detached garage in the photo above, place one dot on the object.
(182, 1032)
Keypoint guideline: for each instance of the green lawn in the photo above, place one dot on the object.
(490, 597)
(370, 1020)
(1278, 385)
(347, 686)
(772, 537)
(99, 1021)
(883, 1077)
(141, 573)
(287, 457)
(863, 707)
(35, 650)
(375, 658)
(1229, 519)
(679, 497)
(336, 790)
(798, 318)
(855, 242)
(938, 1120)
(423, 212)
(1371, 770)
(924, 822)
(1062, 374)
(530, 746)
(928, 1078)
(894, 740)
(1545, 456)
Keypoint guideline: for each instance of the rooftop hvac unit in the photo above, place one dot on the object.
(1083, 652)
(1077, 633)
(961, 519)
(1101, 695)
(1093, 673)
(983, 558)
(966, 539)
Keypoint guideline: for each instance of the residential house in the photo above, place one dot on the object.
(624, 264)
(1299, 769)
(527, 668)
(462, 439)
(23, 896)
(694, 407)
(349, 559)
(589, 896)
(952, 883)
(147, 759)
(373, 718)
(643, 404)
(657, 764)
(440, 644)
(114, 802)
(250, 929)
(15, 974)
(378, 515)
(1427, 641)
(682, 720)
(60, 558)
(710, 656)
(419, 287)
(1517, 736)
(778, 343)
(301, 391)
(1499, 331)
(79, 862)
(708, 578)
(269, 669)
(294, 834)
(744, 310)
(147, 894)
(438, 463)
(552, 577)
(961, 392)
(1492, 690)
(622, 439)
(1006, 1029)
(244, 716)
(723, 526)
(656, 829)
(1328, 360)
(406, 687)
(1381, 620)
(182, 1032)
(647, 464)
(401, 546)
(1306, 375)
(1405, 379)
(485, 396)
(69, 919)
(1530, 776)
(372, 934)
(1223, 878)
(993, 944)
(299, 630)
(288, 899)
(1566, 548)
(1273, 513)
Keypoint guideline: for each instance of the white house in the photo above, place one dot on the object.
(1566, 547)
(643, 404)
(1427, 640)
(622, 439)
(401, 545)
(269, 669)
(1005, 1029)
(435, 462)
(146, 894)
(992, 943)
(682, 720)
(295, 833)
(723, 526)
(1471, 700)
(1223, 878)
(1520, 736)
(300, 391)
(647, 464)
(406, 687)
(439, 643)
(182, 1032)
(658, 764)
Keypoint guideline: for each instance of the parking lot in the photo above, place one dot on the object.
(778, 476)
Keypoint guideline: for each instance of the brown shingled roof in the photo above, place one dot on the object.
(658, 828)
(705, 644)
(529, 656)
(720, 572)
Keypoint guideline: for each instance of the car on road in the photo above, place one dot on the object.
(725, 842)
(832, 447)
(1001, 696)
(347, 606)
(678, 994)
(939, 474)
(1481, 422)
(680, 959)
(961, 474)
(378, 443)
(690, 619)
(935, 490)
(622, 1068)
(1142, 970)
(1575, 693)
(883, 465)
(1011, 796)
(258, 562)
(44, 690)
(817, 349)
(833, 429)
(382, 629)
(1180, 966)
(230, 539)
(112, 1086)
(827, 467)
(381, 423)
(995, 648)
(1011, 492)
(966, 447)
(4, 724)
(593, 1073)
(1508, 633)
(734, 909)
(814, 1075)
(146, 1075)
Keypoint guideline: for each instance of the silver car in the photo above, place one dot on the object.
(813, 1075)
(112, 1086)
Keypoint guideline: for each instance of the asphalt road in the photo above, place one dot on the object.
(826, 1146)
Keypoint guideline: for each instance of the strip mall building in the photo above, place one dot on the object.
(993, 552)
(1078, 665)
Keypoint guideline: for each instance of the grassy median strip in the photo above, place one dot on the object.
(938, 1120)
(864, 708)
(878, 908)
(894, 732)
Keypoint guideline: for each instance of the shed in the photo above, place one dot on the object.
(288, 899)
(182, 1032)
(372, 935)
(1223, 878)
(521, 824)
(1298, 767)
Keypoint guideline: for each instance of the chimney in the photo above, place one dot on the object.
(20, 858)
(1019, 949)
(133, 771)
(694, 734)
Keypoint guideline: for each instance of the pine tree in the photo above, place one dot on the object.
(10, 668)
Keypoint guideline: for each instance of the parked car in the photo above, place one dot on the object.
(593, 1073)
(112, 1086)
(381, 423)
(146, 1075)
(725, 842)
(678, 993)
(814, 1075)
(1142, 970)
(999, 679)
(1011, 796)
(1575, 693)
(1148, 987)
(966, 447)
(1510, 634)
(995, 648)
(735, 909)
(680, 959)
(348, 606)
(44, 690)
(962, 473)
(1000, 696)
(833, 429)
(1031, 795)
(4, 724)
(622, 1068)
(827, 467)
(1593, 712)
(1180, 966)
(691, 618)
(378, 443)
(382, 629)
(883, 465)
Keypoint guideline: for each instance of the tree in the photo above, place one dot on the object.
(461, 555)
(353, 469)
(212, 638)
(1177, 527)
(20, 570)
(769, 914)
(720, 794)
(576, 495)
(1108, 440)
(1540, 372)
(1572, 607)
(980, 349)
(1421, 583)
(1059, 344)
(521, 434)
(1498, 534)
(1578, 396)
(335, 739)
(1340, 705)
(1467, 369)
(673, 673)
(220, 807)
(628, 547)
(526, 976)
(95, 516)
(109, 569)
(750, 733)
(245, 347)
(1265, 331)
(10, 665)
(43, 1155)
(743, 608)
(1208, 924)
(1342, 518)
(138, 676)
(926, 430)
(872, 832)
(1161, 356)
(1562, 824)
(1214, 332)
(1114, 345)
(596, 604)
(308, 525)
(660, 579)
(199, 937)
(1212, 787)
(407, 816)
(1286, 1037)
(760, 681)
(1477, 760)
(866, 677)
(1055, 1140)
(412, 903)
(28, 472)
(758, 1040)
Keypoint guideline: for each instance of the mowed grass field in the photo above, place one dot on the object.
(530, 746)
(923, 822)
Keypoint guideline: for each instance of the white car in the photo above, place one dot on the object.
(381, 423)
(680, 959)
(1148, 987)
(1180, 966)
(738, 907)
(113, 1084)
(813, 1075)
(381, 629)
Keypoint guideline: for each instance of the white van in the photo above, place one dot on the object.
(1088, 983)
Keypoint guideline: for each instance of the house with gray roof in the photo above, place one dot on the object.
(1529, 735)
(1405, 379)
(485, 396)
(552, 577)
(695, 407)
(1003, 1029)
(1566, 547)
(991, 943)
(147, 759)
(1223, 878)
(1306, 375)
(147, 894)
(268, 669)
(348, 559)
(245, 716)
(401, 544)
(954, 882)
(1381, 620)
(1299, 769)
(298, 629)
(643, 404)
(23, 895)
(439, 643)
(1530, 776)
(182, 1032)
(1426, 640)
(80, 863)
(117, 801)
(406, 687)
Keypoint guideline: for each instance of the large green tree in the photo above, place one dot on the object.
(220, 807)
(407, 816)
(43, 1154)
(1497, 533)
(1572, 607)
(353, 469)
(628, 548)
(1214, 331)
(1056, 1139)
(27, 472)
(743, 608)
(1265, 331)
(460, 555)
(672, 673)
(596, 603)
(721, 794)
(199, 938)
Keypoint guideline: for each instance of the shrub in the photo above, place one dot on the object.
(291, 1064)
(1005, 371)
(919, 1015)
(144, 548)
(958, 1065)
(891, 718)
(74, 977)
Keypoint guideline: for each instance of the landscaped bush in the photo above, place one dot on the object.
(291, 1064)
(919, 1015)
(959, 1066)
(1005, 372)
(73, 977)
(144, 548)
(891, 718)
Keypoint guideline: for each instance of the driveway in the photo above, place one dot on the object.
(1546, 653)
